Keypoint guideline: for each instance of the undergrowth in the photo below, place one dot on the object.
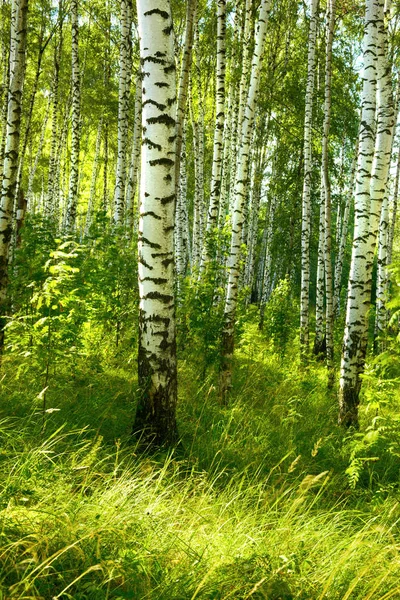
(255, 504)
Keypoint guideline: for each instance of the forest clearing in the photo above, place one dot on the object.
(199, 300)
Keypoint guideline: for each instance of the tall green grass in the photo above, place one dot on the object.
(255, 504)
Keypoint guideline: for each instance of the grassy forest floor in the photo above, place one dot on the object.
(267, 498)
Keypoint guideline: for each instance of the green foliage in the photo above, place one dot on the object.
(280, 316)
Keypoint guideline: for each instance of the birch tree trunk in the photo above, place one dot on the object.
(157, 368)
(55, 116)
(306, 198)
(75, 133)
(191, 8)
(19, 13)
(394, 210)
(266, 279)
(217, 166)
(123, 106)
(373, 165)
(327, 192)
(382, 278)
(342, 237)
(240, 196)
(319, 340)
(135, 158)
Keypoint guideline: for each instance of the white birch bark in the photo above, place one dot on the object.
(394, 210)
(306, 197)
(216, 174)
(19, 10)
(266, 280)
(157, 345)
(254, 214)
(382, 277)
(180, 218)
(240, 196)
(373, 165)
(135, 158)
(319, 340)
(75, 122)
(50, 198)
(342, 236)
(327, 191)
(229, 141)
(191, 8)
(123, 106)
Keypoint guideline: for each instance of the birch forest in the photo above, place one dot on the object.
(199, 299)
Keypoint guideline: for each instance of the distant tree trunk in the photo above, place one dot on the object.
(76, 110)
(181, 105)
(229, 141)
(266, 287)
(382, 279)
(50, 198)
(260, 160)
(394, 210)
(306, 199)
(319, 340)
(123, 106)
(216, 174)
(240, 194)
(327, 192)
(19, 13)
(135, 158)
(198, 144)
(370, 191)
(342, 237)
(155, 415)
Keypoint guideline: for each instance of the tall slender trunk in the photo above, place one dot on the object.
(19, 13)
(229, 140)
(373, 166)
(266, 279)
(155, 414)
(319, 340)
(76, 115)
(240, 195)
(123, 106)
(394, 210)
(135, 158)
(191, 8)
(327, 192)
(306, 198)
(342, 237)
(382, 278)
(254, 213)
(217, 166)
(55, 116)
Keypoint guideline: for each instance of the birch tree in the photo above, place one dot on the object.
(123, 106)
(327, 193)
(373, 166)
(76, 115)
(157, 345)
(216, 174)
(19, 12)
(306, 197)
(239, 198)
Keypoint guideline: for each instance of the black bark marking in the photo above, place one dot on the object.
(157, 11)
